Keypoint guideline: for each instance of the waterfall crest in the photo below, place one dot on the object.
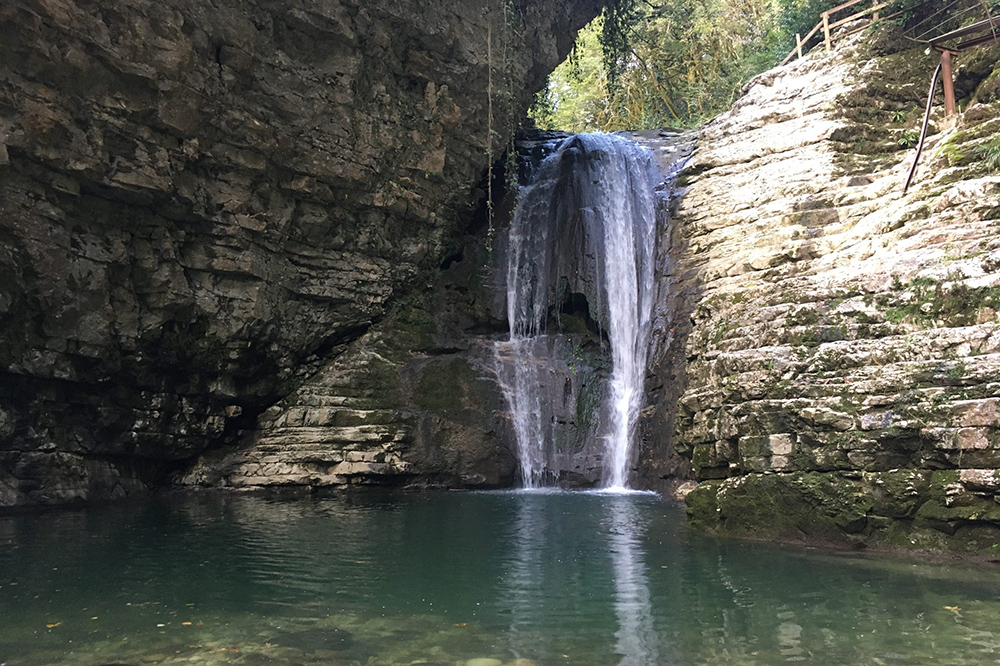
(584, 231)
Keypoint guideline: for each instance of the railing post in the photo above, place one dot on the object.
(826, 30)
(875, 14)
(948, 82)
(798, 45)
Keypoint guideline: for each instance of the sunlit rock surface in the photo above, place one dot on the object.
(844, 362)
(203, 203)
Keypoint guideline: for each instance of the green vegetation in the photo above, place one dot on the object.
(988, 153)
(908, 139)
(956, 304)
(655, 63)
(977, 147)
(720, 332)
(677, 63)
(955, 370)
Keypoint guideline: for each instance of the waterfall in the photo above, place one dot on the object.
(584, 226)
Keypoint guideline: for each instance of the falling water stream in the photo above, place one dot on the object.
(587, 219)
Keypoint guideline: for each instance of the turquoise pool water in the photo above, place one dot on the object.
(462, 578)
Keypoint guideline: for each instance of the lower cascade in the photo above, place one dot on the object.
(583, 236)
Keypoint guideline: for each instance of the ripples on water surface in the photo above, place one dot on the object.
(555, 578)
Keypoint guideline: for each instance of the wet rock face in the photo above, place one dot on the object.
(418, 400)
(201, 203)
(844, 362)
(411, 402)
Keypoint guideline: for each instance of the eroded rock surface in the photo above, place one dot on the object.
(844, 363)
(412, 402)
(419, 399)
(203, 203)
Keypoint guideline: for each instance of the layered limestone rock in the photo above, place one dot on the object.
(203, 203)
(413, 402)
(419, 399)
(844, 362)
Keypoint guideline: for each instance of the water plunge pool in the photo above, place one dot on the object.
(450, 578)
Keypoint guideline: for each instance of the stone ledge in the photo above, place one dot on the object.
(945, 510)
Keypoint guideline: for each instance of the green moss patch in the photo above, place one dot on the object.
(443, 384)
(954, 304)
(797, 506)
(882, 114)
(903, 507)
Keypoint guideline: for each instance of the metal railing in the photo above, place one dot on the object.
(950, 43)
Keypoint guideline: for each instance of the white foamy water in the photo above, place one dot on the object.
(593, 198)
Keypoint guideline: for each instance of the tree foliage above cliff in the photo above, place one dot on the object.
(669, 62)
(655, 63)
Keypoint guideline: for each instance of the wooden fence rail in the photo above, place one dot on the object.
(827, 26)
(949, 44)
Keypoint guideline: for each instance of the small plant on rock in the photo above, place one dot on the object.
(988, 153)
(909, 139)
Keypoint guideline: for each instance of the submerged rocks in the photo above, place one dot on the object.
(319, 638)
(844, 361)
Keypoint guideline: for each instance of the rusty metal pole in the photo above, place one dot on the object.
(826, 30)
(923, 128)
(798, 45)
(948, 82)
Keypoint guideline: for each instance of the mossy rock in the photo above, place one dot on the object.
(409, 328)
(711, 460)
(702, 507)
(589, 399)
(882, 113)
(753, 447)
(949, 507)
(978, 74)
(795, 507)
(382, 378)
(444, 386)
(897, 494)
(989, 90)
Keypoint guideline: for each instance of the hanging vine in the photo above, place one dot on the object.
(489, 131)
(512, 24)
(619, 17)
(502, 100)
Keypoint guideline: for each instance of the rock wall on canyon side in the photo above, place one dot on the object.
(203, 203)
(843, 365)
(419, 400)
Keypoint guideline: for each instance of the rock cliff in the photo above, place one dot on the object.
(419, 399)
(202, 203)
(843, 365)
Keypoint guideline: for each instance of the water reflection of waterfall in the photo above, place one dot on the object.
(525, 577)
(584, 228)
(599, 577)
(636, 637)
